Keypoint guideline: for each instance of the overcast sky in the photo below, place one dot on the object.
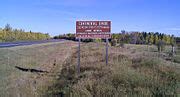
(59, 16)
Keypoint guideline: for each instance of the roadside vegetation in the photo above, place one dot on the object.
(8, 34)
(25, 70)
(133, 71)
(140, 65)
(51, 70)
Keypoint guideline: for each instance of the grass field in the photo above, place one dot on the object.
(14, 82)
(135, 70)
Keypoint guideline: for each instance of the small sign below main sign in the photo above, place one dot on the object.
(93, 29)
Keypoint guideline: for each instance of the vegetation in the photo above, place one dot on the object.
(143, 38)
(132, 71)
(161, 46)
(8, 34)
(68, 36)
(132, 37)
(129, 73)
(44, 57)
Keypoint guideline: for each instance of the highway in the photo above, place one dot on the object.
(23, 43)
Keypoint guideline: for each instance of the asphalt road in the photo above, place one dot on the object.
(13, 44)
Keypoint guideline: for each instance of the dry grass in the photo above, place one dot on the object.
(132, 71)
(129, 73)
(47, 57)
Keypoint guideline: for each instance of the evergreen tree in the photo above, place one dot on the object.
(7, 27)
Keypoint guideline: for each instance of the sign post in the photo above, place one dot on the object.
(106, 51)
(78, 65)
(92, 30)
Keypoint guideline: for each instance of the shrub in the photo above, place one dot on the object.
(161, 46)
(97, 40)
(113, 42)
(176, 59)
(121, 43)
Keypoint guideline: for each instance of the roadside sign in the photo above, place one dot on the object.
(93, 29)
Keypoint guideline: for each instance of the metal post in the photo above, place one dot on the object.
(78, 65)
(106, 51)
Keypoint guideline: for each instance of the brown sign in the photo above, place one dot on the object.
(93, 29)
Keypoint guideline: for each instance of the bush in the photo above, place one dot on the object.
(113, 42)
(161, 46)
(97, 40)
(176, 59)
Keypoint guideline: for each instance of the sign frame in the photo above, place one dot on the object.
(92, 30)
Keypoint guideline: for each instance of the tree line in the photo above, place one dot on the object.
(8, 34)
(143, 37)
(132, 38)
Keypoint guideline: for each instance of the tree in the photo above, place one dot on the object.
(122, 38)
(156, 39)
(1, 36)
(140, 39)
(144, 36)
(168, 39)
(134, 36)
(172, 42)
(9, 34)
(147, 39)
(7, 27)
(151, 39)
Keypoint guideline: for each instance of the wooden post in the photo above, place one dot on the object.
(78, 65)
(106, 51)
(173, 50)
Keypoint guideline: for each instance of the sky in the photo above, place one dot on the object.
(59, 16)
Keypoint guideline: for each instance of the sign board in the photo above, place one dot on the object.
(93, 29)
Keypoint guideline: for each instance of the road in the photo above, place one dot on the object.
(23, 43)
